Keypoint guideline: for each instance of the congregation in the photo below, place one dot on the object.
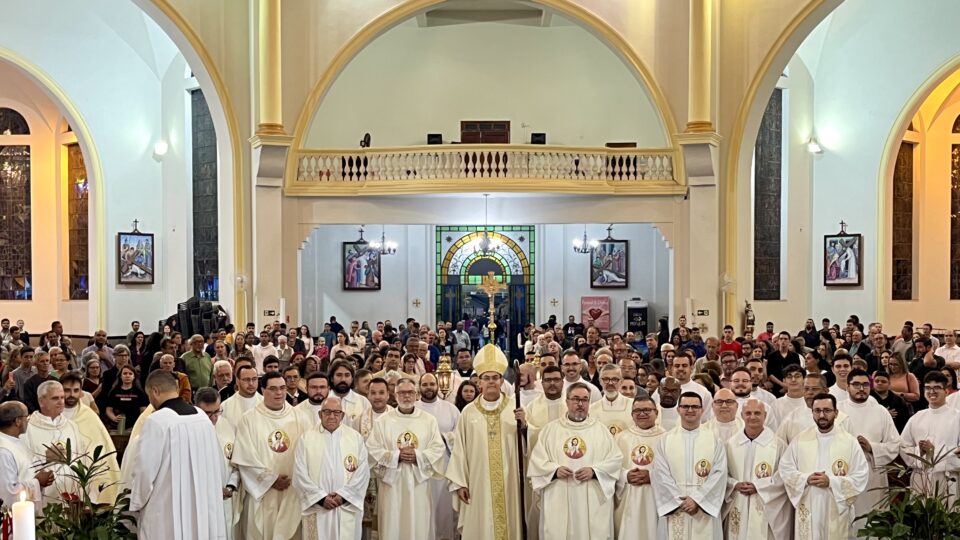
(428, 432)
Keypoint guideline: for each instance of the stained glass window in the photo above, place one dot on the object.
(15, 254)
(12, 123)
(955, 222)
(767, 172)
(206, 258)
(902, 224)
(78, 191)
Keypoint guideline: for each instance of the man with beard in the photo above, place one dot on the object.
(613, 409)
(246, 398)
(878, 438)
(801, 419)
(682, 370)
(741, 384)
(689, 483)
(572, 367)
(933, 432)
(895, 405)
(793, 399)
(779, 359)
(391, 362)
(757, 377)
(842, 364)
(17, 472)
(824, 471)
(574, 467)
(810, 335)
(408, 450)
(757, 506)
(208, 401)
(728, 363)
(263, 453)
(725, 422)
(318, 387)
(356, 408)
(94, 432)
(635, 516)
(669, 393)
(446, 414)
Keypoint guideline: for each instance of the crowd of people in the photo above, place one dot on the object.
(362, 432)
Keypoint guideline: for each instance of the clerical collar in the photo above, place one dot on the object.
(465, 372)
(178, 406)
(490, 405)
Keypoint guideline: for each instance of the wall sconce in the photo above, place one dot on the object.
(160, 149)
(813, 146)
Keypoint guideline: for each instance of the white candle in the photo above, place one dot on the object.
(24, 525)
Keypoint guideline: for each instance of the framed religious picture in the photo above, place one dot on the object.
(361, 267)
(135, 258)
(608, 264)
(842, 260)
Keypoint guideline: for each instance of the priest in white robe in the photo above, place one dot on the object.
(793, 377)
(528, 385)
(742, 386)
(932, 433)
(245, 399)
(178, 472)
(878, 438)
(407, 449)
(824, 472)
(264, 455)
(446, 414)
(49, 428)
(725, 422)
(95, 433)
(483, 469)
(667, 397)
(575, 467)
(635, 514)
(756, 505)
(546, 408)
(208, 400)
(357, 411)
(318, 387)
(613, 409)
(682, 370)
(690, 481)
(330, 477)
(17, 473)
(802, 419)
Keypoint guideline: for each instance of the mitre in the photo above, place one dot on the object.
(490, 358)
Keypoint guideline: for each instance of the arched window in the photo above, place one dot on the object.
(902, 224)
(206, 255)
(956, 125)
(768, 201)
(15, 255)
(78, 194)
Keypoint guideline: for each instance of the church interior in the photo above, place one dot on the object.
(626, 163)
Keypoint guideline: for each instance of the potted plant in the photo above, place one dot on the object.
(75, 516)
(909, 512)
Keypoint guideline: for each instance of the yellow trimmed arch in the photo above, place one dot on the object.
(375, 28)
(461, 243)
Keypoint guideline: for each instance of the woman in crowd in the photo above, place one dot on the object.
(466, 393)
(138, 349)
(951, 376)
(343, 345)
(306, 338)
(125, 399)
(902, 382)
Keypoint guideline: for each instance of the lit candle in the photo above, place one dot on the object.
(24, 525)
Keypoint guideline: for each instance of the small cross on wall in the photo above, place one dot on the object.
(554, 302)
(416, 302)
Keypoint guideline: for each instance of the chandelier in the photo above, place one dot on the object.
(584, 246)
(486, 244)
(384, 247)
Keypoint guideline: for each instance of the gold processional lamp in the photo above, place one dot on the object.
(444, 376)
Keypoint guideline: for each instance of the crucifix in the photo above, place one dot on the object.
(554, 302)
(416, 302)
(843, 227)
(491, 286)
(135, 223)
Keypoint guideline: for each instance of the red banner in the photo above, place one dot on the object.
(595, 311)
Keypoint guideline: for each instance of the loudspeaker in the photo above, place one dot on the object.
(538, 138)
(434, 138)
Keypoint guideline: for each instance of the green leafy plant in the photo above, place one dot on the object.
(907, 512)
(75, 516)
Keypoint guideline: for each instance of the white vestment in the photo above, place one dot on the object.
(262, 452)
(695, 466)
(784, 407)
(540, 412)
(635, 517)
(444, 517)
(178, 478)
(327, 463)
(824, 513)
(17, 473)
(526, 396)
(44, 431)
(309, 413)
(763, 395)
(484, 455)
(404, 493)
(668, 418)
(616, 414)
(705, 397)
(801, 420)
(940, 426)
(725, 430)
(577, 510)
(236, 406)
(766, 514)
(96, 434)
(839, 393)
(771, 422)
(232, 507)
(357, 412)
(873, 421)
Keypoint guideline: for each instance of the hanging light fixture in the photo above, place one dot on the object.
(584, 246)
(486, 245)
(383, 246)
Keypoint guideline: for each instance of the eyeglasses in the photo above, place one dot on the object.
(690, 407)
(859, 385)
(490, 379)
(723, 402)
(927, 388)
(610, 380)
(249, 380)
(211, 414)
(823, 412)
(406, 393)
(639, 412)
(552, 381)
(325, 412)
(579, 401)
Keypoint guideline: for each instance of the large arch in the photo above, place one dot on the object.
(411, 8)
(94, 165)
(744, 132)
(225, 121)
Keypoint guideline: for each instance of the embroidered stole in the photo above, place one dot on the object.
(749, 512)
(705, 446)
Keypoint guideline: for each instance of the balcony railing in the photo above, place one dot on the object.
(456, 167)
